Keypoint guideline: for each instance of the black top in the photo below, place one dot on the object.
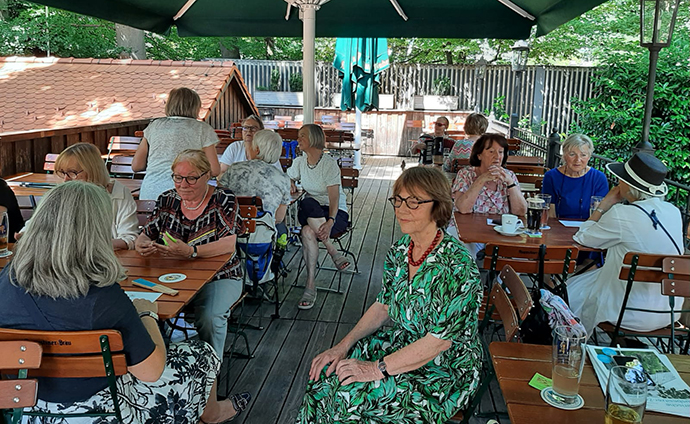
(8, 200)
(102, 308)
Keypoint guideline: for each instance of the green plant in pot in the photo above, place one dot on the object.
(275, 80)
(441, 86)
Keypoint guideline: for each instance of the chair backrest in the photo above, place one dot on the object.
(285, 163)
(525, 259)
(678, 270)
(499, 299)
(293, 124)
(49, 162)
(27, 204)
(124, 171)
(349, 180)
(19, 392)
(139, 133)
(414, 124)
(250, 207)
(288, 134)
(518, 291)
(122, 145)
(458, 164)
(144, 210)
(528, 173)
(514, 144)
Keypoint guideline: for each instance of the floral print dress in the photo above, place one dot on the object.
(443, 300)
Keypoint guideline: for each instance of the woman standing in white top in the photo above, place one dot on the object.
(166, 137)
(82, 161)
(323, 212)
(597, 296)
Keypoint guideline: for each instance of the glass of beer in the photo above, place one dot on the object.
(535, 209)
(626, 396)
(545, 215)
(568, 360)
(4, 232)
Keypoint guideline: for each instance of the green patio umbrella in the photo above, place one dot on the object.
(360, 62)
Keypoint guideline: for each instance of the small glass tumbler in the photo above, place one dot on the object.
(545, 214)
(626, 396)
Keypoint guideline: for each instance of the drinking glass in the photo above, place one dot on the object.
(545, 215)
(626, 396)
(4, 231)
(535, 209)
(568, 360)
(594, 203)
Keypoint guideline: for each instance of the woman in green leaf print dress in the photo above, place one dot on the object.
(426, 366)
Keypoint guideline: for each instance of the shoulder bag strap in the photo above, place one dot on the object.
(656, 222)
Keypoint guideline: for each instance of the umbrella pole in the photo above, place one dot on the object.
(309, 34)
(358, 138)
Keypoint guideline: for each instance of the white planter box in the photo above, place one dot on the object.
(385, 101)
(278, 98)
(435, 102)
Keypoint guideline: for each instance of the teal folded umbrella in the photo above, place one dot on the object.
(360, 62)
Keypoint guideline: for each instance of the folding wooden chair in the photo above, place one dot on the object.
(18, 392)
(144, 210)
(121, 167)
(514, 144)
(122, 146)
(49, 162)
(76, 354)
(527, 174)
(672, 273)
(27, 204)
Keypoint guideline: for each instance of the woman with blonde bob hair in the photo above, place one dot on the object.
(64, 277)
(83, 162)
(431, 294)
(165, 137)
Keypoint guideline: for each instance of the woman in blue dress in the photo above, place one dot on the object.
(572, 184)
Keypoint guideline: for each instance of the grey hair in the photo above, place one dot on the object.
(577, 141)
(270, 145)
(638, 194)
(317, 138)
(67, 246)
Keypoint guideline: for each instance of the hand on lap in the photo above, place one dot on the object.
(332, 356)
(354, 370)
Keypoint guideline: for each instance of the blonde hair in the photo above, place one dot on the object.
(435, 184)
(476, 124)
(89, 159)
(270, 145)
(317, 138)
(196, 158)
(66, 247)
(183, 101)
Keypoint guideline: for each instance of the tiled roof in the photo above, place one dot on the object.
(56, 93)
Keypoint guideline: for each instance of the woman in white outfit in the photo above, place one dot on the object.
(597, 296)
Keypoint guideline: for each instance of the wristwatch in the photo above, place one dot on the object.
(382, 368)
(600, 210)
(512, 185)
(330, 217)
(194, 253)
(148, 314)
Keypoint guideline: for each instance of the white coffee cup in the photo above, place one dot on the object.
(510, 223)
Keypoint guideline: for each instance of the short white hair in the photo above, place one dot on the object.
(270, 145)
(578, 141)
(638, 194)
(67, 245)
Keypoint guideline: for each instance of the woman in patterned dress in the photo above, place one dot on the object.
(425, 367)
(487, 186)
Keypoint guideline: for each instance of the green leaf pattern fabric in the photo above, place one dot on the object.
(442, 299)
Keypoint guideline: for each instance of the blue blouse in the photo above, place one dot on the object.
(572, 195)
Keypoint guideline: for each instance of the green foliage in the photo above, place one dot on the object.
(498, 108)
(441, 86)
(262, 88)
(275, 80)
(614, 116)
(295, 82)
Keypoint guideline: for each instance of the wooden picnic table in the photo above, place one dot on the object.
(525, 160)
(198, 271)
(473, 228)
(516, 363)
(16, 183)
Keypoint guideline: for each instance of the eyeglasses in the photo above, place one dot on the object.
(191, 180)
(71, 174)
(411, 202)
(250, 128)
(440, 124)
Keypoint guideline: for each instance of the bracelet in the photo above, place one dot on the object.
(511, 186)
(150, 314)
(330, 217)
(600, 210)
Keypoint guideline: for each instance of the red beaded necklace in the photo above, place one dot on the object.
(412, 262)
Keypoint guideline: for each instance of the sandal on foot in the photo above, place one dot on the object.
(308, 299)
(239, 402)
(341, 262)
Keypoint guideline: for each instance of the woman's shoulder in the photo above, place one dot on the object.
(596, 174)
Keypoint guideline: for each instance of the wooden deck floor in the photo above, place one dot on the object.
(277, 375)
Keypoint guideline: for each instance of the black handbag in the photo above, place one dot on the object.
(535, 329)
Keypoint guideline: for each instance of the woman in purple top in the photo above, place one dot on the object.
(572, 184)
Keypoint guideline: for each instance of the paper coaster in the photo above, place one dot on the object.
(556, 400)
(6, 254)
(172, 278)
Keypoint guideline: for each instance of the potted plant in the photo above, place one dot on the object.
(274, 97)
(441, 99)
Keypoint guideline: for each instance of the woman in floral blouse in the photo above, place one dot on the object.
(425, 366)
(486, 186)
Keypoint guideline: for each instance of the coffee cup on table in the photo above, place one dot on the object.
(510, 223)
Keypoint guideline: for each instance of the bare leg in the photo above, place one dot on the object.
(310, 249)
(215, 411)
(314, 224)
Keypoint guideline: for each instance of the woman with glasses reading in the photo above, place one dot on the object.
(83, 162)
(165, 137)
(425, 364)
(197, 220)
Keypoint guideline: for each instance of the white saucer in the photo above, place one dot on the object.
(6, 254)
(554, 400)
(499, 229)
(172, 278)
